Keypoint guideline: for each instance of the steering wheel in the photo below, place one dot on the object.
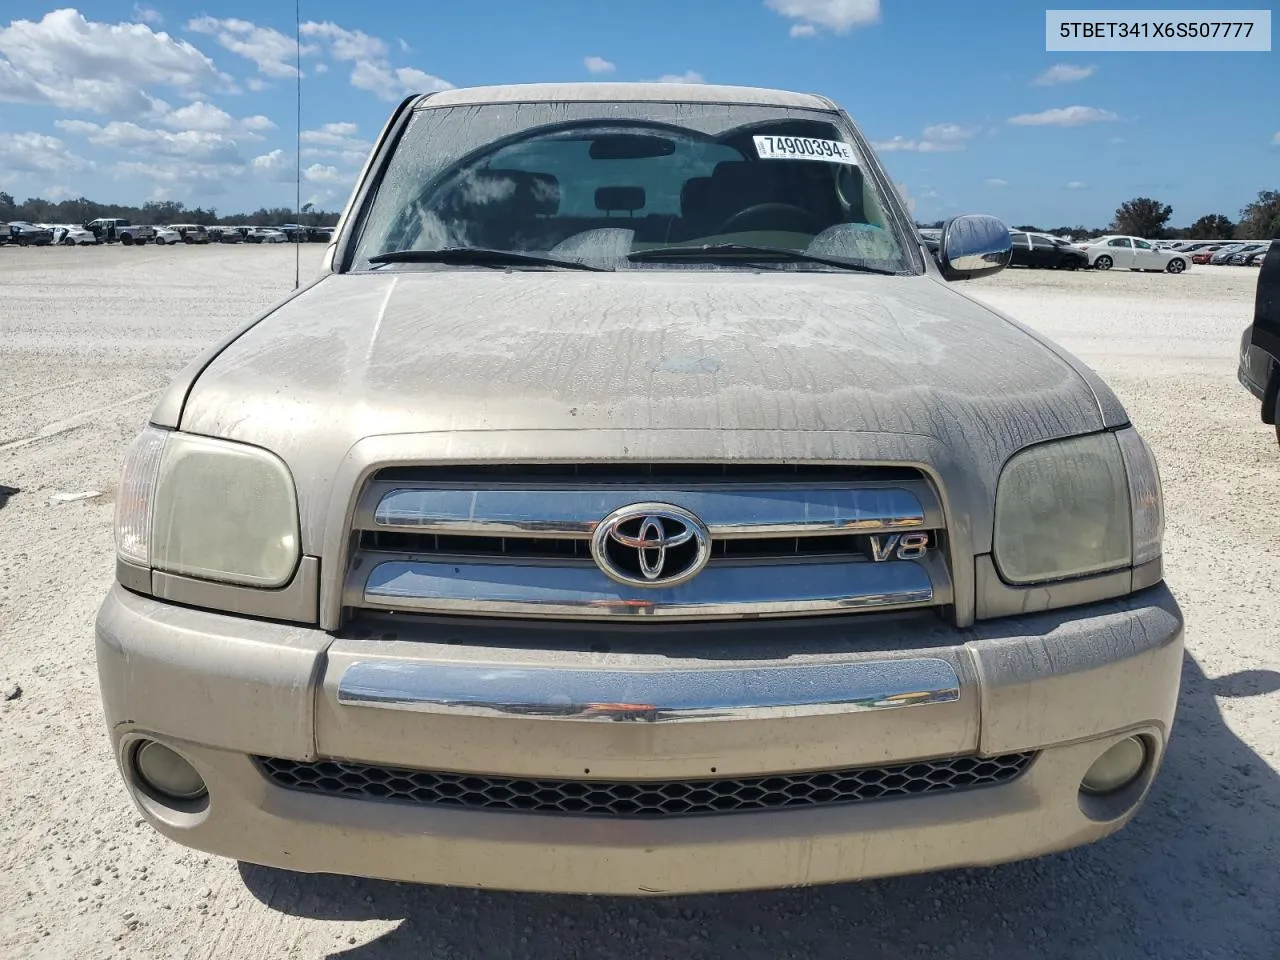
(772, 216)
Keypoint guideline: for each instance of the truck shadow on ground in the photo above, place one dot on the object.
(1193, 876)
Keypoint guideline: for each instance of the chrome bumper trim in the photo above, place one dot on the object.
(737, 511)
(582, 591)
(648, 696)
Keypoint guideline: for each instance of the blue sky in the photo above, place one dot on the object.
(118, 100)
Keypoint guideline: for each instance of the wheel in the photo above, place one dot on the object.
(68, 242)
(1102, 263)
(22, 241)
(160, 241)
(1177, 265)
(127, 240)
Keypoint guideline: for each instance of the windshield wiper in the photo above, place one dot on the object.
(741, 251)
(481, 256)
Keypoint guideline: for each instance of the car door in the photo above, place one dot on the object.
(1120, 250)
(1043, 252)
(1147, 257)
(1021, 249)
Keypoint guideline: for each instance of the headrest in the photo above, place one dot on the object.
(630, 199)
(695, 196)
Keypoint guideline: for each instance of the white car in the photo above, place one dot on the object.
(70, 235)
(271, 235)
(1132, 253)
(166, 235)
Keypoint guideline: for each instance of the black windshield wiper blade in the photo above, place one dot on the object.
(481, 256)
(745, 251)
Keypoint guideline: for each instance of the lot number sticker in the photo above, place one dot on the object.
(804, 148)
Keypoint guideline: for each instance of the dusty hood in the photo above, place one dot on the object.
(754, 356)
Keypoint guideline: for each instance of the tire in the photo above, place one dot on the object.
(22, 241)
(160, 241)
(68, 242)
(1103, 263)
(1176, 265)
(127, 240)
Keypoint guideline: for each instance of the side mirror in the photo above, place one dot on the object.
(973, 246)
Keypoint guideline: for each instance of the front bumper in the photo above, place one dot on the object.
(477, 698)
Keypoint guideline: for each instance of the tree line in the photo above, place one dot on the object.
(155, 212)
(1145, 217)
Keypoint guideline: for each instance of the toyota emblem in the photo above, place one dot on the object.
(651, 545)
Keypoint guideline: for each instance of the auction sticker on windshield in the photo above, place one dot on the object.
(804, 148)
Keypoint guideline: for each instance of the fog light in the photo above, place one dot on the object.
(1116, 768)
(166, 773)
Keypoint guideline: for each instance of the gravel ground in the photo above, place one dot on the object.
(87, 339)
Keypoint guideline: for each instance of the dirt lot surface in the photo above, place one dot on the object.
(87, 339)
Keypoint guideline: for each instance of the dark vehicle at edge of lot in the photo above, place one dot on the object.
(24, 234)
(1259, 370)
(1041, 250)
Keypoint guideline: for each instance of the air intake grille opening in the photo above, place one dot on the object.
(642, 798)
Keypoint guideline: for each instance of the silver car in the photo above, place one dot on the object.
(633, 505)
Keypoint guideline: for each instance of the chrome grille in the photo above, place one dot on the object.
(643, 798)
(514, 540)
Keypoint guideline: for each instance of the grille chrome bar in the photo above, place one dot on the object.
(729, 511)
(650, 696)
(582, 591)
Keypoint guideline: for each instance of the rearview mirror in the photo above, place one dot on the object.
(630, 146)
(973, 246)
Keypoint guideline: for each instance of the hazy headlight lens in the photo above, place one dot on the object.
(224, 511)
(1062, 510)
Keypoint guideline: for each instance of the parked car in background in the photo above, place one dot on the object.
(69, 235)
(164, 235)
(225, 235)
(1132, 253)
(1256, 258)
(319, 234)
(719, 545)
(1205, 253)
(271, 235)
(115, 229)
(191, 232)
(1044, 250)
(25, 234)
(1238, 256)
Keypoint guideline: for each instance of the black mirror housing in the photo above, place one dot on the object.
(973, 246)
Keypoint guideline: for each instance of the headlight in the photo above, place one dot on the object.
(1075, 507)
(208, 508)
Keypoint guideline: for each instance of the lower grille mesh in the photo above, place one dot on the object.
(642, 798)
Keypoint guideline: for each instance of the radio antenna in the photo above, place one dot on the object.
(297, 149)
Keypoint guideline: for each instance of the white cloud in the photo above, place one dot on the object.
(272, 51)
(1063, 73)
(803, 30)
(320, 68)
(320, 173)
(197, 145)
(1064, 117)
(995, 182)
(937, 138)
(1275, 141)
(171, 178)
(25, 153)
(835, 15)
(147, 15)
(345, 44)
(1116, 140)
(390, 83)
(274, 166)
(689, 76)
(598, 65)
(336, 141)
(404, 45)
(58, 192)
(76, 64)
(907, 200)
(1075, 185)
(256, 84)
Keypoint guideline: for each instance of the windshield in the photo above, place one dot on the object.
(600, 183)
